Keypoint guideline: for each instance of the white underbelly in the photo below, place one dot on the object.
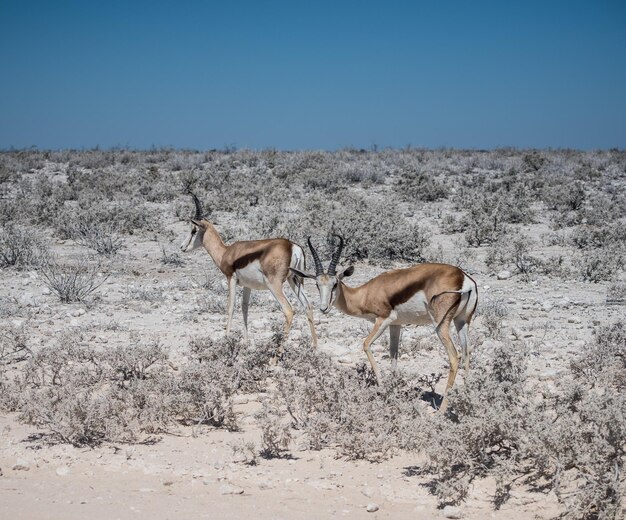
(413, 311)
(251, 276)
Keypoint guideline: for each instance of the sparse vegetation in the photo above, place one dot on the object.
(541, 411)
(72, 282)
(19, 247)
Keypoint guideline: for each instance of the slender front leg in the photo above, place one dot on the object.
(276, 288)
(245, 300)
(394, 342)
(379, 327)
(232, 286)
(296, 287)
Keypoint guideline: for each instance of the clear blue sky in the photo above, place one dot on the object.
(313, 75)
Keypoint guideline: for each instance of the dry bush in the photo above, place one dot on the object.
(578, 449)
(72, 282)
(513, 250)
(374, 230)
(275, 431)
(122, 215)
(483, 432)
(245, 452)
(593, 237)
(100, 237)
(604, 362)
(600, 256)
(565, 195)
(493, 311)
(492, 207)
(171, 258)
(345, 409)
(19, 247)
(414, 185)
(86, 396)
(598, 265)
(616, 293)
(248, 365)
(569, 440)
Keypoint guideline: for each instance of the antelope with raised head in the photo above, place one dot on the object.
(262, 265)
(440, 294)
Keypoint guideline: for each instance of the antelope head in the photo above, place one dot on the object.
(328, 282)
(198, 227)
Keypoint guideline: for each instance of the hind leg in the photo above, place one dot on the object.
(394, 343)
(245, 302)
(462, 328)
(442, 312)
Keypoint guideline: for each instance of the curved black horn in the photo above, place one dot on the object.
(335, 259)
(319, 268)
(199, 213)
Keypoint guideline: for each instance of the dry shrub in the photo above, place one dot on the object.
(101, 237)
(604, 362)
(483, 432)
(414, 185)
(569, 440)
(598, 265)
(493, 311)
(72, 282)
(19, 247)
(86, 396)
(616, 293)
(578, 450)
(513, 250)
(275, 431)
(345, 409)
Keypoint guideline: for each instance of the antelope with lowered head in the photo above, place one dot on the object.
(262, 265)
(423, 294)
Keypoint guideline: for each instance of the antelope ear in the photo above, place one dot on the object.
(348, 272)
(302, 274)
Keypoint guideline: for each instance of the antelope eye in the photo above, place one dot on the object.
(194, 231)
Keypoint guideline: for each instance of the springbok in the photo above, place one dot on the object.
(254, 264)
(422, 294)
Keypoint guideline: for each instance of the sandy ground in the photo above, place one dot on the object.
(193, 473)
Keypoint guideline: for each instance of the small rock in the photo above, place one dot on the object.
(227, 489)
(452, 512)
(27, 300)
(21, 465)
(368, 492)
(265, 484)
(549, 374)
(240, 399)
(574, 319)
(372, 508)
(45, 291)
(504, 275)
(62, 471)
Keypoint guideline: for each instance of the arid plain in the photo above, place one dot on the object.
(128, 401)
